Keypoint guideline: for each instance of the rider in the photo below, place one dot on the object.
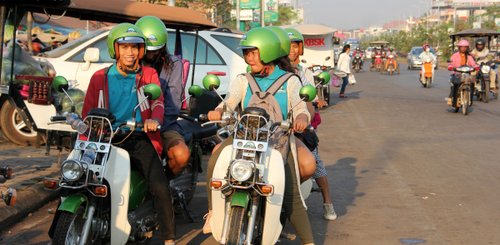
(262, 51)
(458, 59)
(118, 88)
(424, 56)
(358, 51)
(320, 175)
(377, 51)
(480, 54)
(392, 52)
(169, 68)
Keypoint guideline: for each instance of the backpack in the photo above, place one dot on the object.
(266, 99)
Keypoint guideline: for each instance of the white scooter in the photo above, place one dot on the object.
(248, 182)
(102, 198)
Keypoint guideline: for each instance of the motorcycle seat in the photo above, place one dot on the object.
(194, 130)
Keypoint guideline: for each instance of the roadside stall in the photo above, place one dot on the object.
(26, 97)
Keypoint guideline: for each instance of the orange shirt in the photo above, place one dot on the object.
(463, 59)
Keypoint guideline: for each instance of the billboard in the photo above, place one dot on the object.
(249, 4)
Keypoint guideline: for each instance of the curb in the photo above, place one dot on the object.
(28, 200)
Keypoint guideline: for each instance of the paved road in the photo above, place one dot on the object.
(404, 170)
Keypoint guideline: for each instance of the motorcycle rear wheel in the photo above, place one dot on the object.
(238, 221)
(69, 228)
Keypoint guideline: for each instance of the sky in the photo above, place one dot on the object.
(351, 14)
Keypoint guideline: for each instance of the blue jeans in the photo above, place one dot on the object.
(345, 81)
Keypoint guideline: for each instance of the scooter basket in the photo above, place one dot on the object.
(39, 89)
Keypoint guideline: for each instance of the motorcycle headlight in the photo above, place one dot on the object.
(241, 170)
(71, 170)
(485, 69)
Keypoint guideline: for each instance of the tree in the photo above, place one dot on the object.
(287, 16)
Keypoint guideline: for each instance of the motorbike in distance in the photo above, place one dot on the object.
(357, 62)
(462, 99)
(483, 80)
(102, 198)
(377, 66)
(248, 180)
(391, 65)
(428, 73)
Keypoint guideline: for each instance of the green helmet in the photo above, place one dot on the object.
(296, 36)
(154, 30)
(124, 33)
(265, 41)
(284, 39)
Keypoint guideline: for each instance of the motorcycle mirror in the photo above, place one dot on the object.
(10, 197)
(195, 91)
(327, 58)
(152, 91)
(324, 77)
(60, 84)
(211, 82)
(307, 93)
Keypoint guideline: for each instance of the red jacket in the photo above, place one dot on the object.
(97, 97)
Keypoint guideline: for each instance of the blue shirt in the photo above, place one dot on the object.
(266, 82)
(122, 96)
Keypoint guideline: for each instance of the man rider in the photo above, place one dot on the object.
(480, 54)
(424, 56)
(376, 52)
(169, 68)
(392, 52)
(358, 51)
(118, 88)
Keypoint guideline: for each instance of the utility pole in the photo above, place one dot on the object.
(262, 5)
(238, 15)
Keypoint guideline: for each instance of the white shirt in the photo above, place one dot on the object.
(344, 63)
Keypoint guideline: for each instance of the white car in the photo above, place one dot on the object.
(217, 53)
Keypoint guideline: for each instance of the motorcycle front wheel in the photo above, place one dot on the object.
(486, 95)
(238, 221)
(69, 228)
(465, 94)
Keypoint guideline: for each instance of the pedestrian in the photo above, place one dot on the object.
(343, 65)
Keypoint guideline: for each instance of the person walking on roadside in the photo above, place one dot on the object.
(344, 65)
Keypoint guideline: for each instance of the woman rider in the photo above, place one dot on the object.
(460, 58)
(320, 175)
(262, 52)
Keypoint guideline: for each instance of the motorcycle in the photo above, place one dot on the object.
(102, 198)
(357, 63)
(248, 180)
(391, 65)
(463, 97)
(10, 195)
(197, 139)
(320, 73)
(378, 63)
(482, 90)
(428, 74)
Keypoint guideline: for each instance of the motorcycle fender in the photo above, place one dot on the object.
(72, 202)
(275, 175)
(240, 199)
(218, 199)
(117, 174)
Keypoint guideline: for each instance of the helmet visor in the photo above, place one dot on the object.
(154, 48)
(130, 40)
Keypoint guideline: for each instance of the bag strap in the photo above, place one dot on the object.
(254, 87)
(273, 89)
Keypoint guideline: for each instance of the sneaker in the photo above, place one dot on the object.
(448, 101)
(206, 227)
(328, 212)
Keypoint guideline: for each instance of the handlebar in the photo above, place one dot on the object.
(201, 118)
(57, 118)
